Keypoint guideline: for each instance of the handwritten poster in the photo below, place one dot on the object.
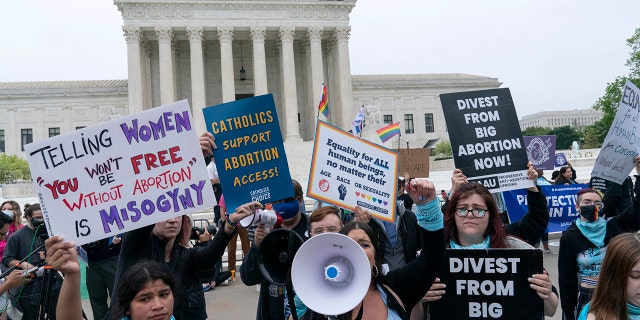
(487, 143)
(622, 144)
(489, 284)
(415, 162)
(250, 158)
(120, 175)
(347, 171)
(541, 151)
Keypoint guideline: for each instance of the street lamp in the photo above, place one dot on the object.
(407, 144)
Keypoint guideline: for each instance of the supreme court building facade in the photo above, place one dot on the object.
(212, 52)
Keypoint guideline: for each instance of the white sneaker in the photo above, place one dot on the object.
(225, 283)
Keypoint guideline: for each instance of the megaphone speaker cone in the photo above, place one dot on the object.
(331, 273)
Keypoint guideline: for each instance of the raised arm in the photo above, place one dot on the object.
(63, 257)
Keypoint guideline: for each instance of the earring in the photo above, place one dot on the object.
(374, 271)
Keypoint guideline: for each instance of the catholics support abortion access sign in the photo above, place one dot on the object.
(250, 158)
(622, 144)
(487, 142)
(489, 284)
(347, 171)
(120, 175)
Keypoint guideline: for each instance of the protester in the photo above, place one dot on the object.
(102, 259)
(145, 290)
(402, 196)
(471, 222)
(616, 296)
(567, 176)
(583, 246)
(616, 197)
(271, 303)
(11, 208)
(231, 248)
(20, 246)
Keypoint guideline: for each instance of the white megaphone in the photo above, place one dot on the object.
(331, 273)
(266, 217)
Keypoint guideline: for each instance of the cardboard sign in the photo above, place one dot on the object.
(347, 171)
(541, 151)
(487, 143)
(415, 162)
(561, 202)
(250, 158)
(120, 175)
(621, 145)
(489, 284)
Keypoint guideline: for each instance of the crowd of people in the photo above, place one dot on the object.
(154, 272)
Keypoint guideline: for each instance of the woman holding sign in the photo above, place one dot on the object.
(471, 221)
(618, 295)
(584, 244)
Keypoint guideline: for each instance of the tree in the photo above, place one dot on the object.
(594, 135)
(536, 131)
(565, 136)
(443, 150)
(13, 168)
(608, 103)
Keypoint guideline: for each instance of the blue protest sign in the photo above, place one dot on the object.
(250, 157)
(561, 201)
(541, 150)
(561, 160)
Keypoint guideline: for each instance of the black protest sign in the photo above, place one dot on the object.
(489, 284)
(487, 142)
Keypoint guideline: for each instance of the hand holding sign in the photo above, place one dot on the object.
(207, 143)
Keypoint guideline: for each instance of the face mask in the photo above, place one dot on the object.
(287, 210)
(8, 213)
(589, 212)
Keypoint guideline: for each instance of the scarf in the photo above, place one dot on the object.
(634, 311)
(486, 244)
(594, 231)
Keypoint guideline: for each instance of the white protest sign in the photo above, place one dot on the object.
(120, 175)
(347, 171)
(622, 144)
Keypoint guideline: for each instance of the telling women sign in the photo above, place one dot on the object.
(120, 175)
(487, 143)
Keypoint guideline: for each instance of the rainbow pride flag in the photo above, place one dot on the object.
(323, 107)
(389, 131)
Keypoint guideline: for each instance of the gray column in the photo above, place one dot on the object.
(317, 74)
(133, 36)
(167, 86)
(258, 34)
(225, 36)
(347, 112)
(290, 96)
(198, 93)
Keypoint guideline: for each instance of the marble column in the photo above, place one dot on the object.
(347, 111)
(165, 52)
(290, 96)
(258, 34)
(225, 36)
(198, 92)
(133, 36)
(317, 74)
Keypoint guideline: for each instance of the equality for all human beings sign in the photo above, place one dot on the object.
(415, 162)
(541, 151)
(489, 284)
(561, 202)
(487, 142)
(250, 156)
(347, 171)
(621, 145)
(120, 175)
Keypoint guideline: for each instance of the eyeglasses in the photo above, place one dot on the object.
(478, 213)
(598, 204)
(320, 230)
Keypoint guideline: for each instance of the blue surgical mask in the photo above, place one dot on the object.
(288, 209)
(8, 213)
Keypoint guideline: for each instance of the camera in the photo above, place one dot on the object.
(197, 231)
(40, 227)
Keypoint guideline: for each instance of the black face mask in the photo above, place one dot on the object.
(590, 212)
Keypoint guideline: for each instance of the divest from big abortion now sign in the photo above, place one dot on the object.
(486, 139)
(120, 175)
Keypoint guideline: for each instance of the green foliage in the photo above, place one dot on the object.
(13, 168)
(594, 135)
(536, 131)
(565, 136)
(608, 103)
(443, 150)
